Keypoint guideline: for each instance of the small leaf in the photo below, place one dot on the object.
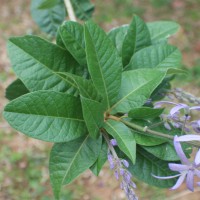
(137, 37)
(83, 9)
(117, 36)
(48, 4)
(144, 113)
(68, 160)
(146, 164)
(36, 61)
(104, 63)
(16, 89)
(160, 31)
(71, 36)
(136, 88)
(102, 158)
(161, 55)
(124, 137)
(47, 115)
(48, 19)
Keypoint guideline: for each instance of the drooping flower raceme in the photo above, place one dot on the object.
(186, 170)
(120, 167)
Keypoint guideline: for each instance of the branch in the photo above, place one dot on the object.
(70, 10)
(146, 131)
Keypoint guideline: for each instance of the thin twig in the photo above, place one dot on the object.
(70, 10)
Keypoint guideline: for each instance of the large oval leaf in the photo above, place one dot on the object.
(36, 61)
(68, 160)
(161, 55)
(47, 115)
(104, 63)
(136, 88)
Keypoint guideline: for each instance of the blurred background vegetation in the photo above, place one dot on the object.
(24, 161)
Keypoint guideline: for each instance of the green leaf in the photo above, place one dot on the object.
(83, 9)
(47, 115)
(104, 63)
(48, 4)
(166, 151)
(36, 61)
(71, 36)
(143, 138)
(146, 164)
(68, 160)
(93, 110)
(48, 19)
(85, 86)
(161, 55)
(161, 30)
(117, 36)
(93, 114)
(102, 158)
(136, 88)
(16, 89)
(144, 113)
(137, 37)
(124, 137)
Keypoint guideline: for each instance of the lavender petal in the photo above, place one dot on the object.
(180, 151)
(190, 180)
(177, 108)
(179, 182)
(178, 167)
(186, 138)
(197, 159)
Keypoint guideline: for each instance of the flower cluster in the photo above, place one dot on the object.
(120, 167)
(186, 170)
(179, 119)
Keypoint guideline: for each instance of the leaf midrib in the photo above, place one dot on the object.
(46, 116)
(130, 93)
(119, 137)
(37, 61)
(99, 66)
(75, 156)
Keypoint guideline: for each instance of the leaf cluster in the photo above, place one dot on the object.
(71, 92)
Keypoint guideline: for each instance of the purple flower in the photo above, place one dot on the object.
(196, 126)
(113, 142)
(186, 170)
(177, 107)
